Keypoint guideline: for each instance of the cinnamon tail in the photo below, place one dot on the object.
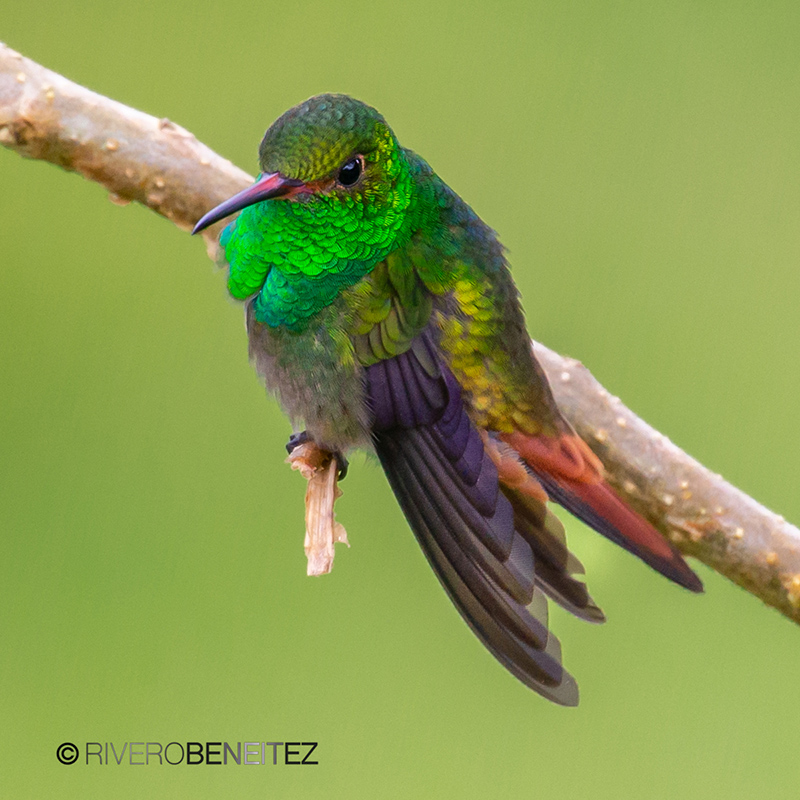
(572, 476)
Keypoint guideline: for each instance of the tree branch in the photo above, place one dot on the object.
(152, 161)
(135, 156)
(704, 515)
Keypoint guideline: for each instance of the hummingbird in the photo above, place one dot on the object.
(381, 311)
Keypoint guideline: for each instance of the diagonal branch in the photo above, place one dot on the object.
(704, 515)
(152, 161)
(135, 156)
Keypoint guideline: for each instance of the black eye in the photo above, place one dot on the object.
(350, 172)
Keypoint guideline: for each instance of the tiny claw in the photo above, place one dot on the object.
(295, 440)
(343, 465)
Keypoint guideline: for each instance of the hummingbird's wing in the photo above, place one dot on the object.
(447, 422)
(494, 550)
(489, 352)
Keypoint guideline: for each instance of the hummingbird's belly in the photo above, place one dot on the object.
(318, 386)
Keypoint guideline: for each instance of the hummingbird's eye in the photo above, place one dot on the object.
(350, 171)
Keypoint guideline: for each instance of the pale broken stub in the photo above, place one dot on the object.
(320, 469)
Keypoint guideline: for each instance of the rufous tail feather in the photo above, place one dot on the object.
(573, 476)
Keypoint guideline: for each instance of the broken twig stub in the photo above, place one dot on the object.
(321, 470)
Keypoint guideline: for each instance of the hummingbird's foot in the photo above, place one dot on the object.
(295, 440)
(303, 437)
(342, 463)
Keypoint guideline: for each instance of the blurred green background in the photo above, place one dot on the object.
(641, 162)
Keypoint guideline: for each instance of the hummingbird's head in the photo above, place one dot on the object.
(332, 143)
(334, 197)
(331, 156)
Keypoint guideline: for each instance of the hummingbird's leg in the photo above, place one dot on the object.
(296, 439)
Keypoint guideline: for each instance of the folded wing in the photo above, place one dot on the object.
(495, 549)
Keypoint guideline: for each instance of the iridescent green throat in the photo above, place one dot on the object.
(297, 255)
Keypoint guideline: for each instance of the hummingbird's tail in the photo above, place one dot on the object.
(573, 476)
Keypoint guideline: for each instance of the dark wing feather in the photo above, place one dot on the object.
(485, 549)
(556, 566)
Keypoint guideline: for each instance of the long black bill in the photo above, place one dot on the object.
(270, 185)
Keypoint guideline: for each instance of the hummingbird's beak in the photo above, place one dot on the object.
(270, 185)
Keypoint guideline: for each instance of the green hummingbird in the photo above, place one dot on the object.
(382, 313)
